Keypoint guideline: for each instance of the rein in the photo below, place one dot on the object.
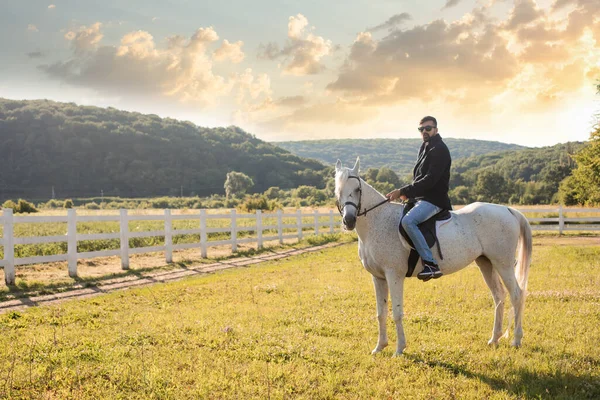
(357, 206)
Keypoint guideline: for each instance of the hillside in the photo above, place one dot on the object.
(536, 164)
(397, 154)
(80, 151)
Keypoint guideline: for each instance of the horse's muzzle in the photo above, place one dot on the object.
(349, 221)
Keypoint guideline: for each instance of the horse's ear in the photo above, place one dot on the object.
(338, 165)
(356, 168)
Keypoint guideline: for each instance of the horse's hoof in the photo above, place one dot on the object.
(493, 342)
(398, 353)
(378, 349)
(516, 344)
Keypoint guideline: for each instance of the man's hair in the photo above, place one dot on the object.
(428, 118)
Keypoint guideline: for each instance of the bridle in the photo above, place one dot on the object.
(357, 206)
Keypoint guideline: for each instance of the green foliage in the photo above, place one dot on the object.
(237, 184)
(92, 206)
(22, 206)
(68, 203)
(10, 204)
(82, 150)
(26, 207)
(583, 186)
(258, 202)
(273, 193)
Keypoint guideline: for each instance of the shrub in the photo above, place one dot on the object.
(26, 207)
(92, 206)
(68, 203)
(10, 204)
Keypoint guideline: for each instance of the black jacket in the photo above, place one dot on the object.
(431, 175)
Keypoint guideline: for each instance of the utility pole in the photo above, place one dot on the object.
(53, 194)
(181, 191)
(102, 195)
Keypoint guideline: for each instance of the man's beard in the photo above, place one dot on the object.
(426, 137)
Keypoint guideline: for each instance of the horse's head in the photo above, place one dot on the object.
(348, 192)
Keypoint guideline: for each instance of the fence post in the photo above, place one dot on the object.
(168, 236)
(280, 226)
(124, 239)
(330, 221)
(233, 231)
(299, 222)
(259, 229)
(9, 247)
(561, 220)
(72, 242)
(316, 222)
(203, 234)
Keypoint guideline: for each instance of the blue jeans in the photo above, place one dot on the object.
(421, 212)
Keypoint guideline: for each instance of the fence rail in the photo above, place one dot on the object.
(559, 223)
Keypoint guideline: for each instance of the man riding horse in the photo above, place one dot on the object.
(429, 188)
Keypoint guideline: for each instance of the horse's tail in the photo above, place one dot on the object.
(525, 249)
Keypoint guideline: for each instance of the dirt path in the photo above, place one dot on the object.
(80, 291)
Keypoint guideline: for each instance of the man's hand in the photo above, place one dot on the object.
(395, 194)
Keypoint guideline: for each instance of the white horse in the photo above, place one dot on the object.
(488, 234)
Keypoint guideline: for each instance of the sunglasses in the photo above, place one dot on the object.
(425, 128)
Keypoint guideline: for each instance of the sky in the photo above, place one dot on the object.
(521, 71)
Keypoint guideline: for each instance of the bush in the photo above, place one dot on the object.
(92, 206)
(54, 204)
(68, 203)
(10, 204)
(273, 192)
(255, 203)
(26, 207)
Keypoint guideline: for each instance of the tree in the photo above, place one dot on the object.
(237, 183)
(583, 186)
(491, 187)
(386, 175)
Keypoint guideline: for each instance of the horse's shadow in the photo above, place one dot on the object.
(530, 384)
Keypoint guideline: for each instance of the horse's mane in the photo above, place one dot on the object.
(340, 177)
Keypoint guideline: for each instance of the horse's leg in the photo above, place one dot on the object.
(381, 294)
(492, 279)
(507, 273)
(396, 284)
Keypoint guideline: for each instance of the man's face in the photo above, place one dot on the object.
(427, 129)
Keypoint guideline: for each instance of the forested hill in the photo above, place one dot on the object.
(81, 151)
(398, 154)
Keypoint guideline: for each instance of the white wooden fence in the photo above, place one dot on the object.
(72, 237)
(559, 224)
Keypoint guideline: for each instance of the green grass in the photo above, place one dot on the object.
(303, 327)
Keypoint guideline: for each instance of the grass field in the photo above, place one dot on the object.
(303, 327)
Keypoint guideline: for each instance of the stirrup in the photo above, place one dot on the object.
(430, 271)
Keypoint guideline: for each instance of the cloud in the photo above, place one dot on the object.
(51, 7)
(231, 51)
(523, 12)
(292, 101)
(392, 22)
(35, 54)
(450, 3)
(86, 38)
(475, 59)
(303, 51)
(32, 28)
(182, 70)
